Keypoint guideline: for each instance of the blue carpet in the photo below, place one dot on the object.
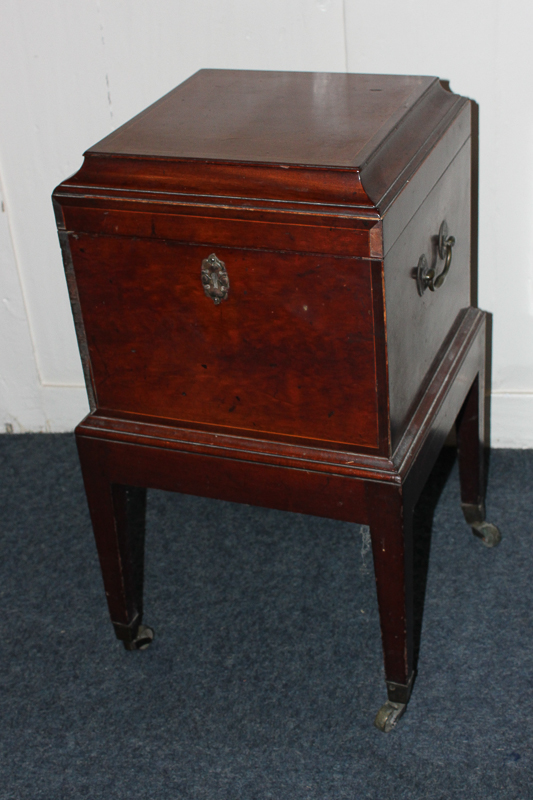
(266, 671)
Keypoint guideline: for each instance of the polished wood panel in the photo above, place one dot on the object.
(398, 208)
(418, 326)
(300, 137)
(309, 233)
(233, 182)
(159, 346)
(470, 429)
(391, 523)
(279, 117)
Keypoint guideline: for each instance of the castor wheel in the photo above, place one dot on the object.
(144, 639)
(388, 715)
(489, 534)
(475, 517)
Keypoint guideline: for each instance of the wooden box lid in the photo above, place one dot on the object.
(282, 136)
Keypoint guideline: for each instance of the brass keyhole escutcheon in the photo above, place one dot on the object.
(426, 276)
(215, 279)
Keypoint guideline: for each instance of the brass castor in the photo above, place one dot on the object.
(388, 715)
(489, 534)
(475, 517)
(143, 639)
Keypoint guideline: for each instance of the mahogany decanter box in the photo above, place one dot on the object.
(270, 279)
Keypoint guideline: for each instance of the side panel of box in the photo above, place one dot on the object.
(418, 325)
(410, 191)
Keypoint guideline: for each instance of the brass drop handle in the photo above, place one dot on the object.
(426, 276)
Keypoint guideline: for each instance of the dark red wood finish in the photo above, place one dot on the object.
(391, 521)
(159, 346)
(418, 326)
(324, 384)
(470, 429)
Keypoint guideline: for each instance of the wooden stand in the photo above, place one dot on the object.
(120, 457)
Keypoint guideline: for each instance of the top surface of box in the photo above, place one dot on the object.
(310, 119)
(304, 137)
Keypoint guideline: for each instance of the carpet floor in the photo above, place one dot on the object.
(266, 671)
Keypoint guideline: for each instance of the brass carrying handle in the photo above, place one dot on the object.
(426, 276)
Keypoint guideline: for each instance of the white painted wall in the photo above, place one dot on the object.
(72, 70)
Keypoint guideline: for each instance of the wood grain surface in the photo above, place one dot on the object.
(291, 350)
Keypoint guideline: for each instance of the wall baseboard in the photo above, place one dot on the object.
(59, 409)
(512, 420)
(45, 409)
